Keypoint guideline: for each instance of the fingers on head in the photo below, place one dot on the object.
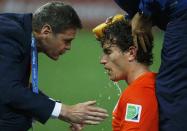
(145, 41)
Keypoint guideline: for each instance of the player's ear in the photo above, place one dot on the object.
(132, 51)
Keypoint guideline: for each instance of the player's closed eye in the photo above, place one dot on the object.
(107, 51)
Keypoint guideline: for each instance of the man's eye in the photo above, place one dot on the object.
(67, 41)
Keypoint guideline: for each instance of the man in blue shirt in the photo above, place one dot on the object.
(52, 28)
(171, 84)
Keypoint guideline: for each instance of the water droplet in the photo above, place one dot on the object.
(109, 97)
(109, 84)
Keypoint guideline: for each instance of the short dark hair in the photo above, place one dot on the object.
(58, 15)
(120, 34)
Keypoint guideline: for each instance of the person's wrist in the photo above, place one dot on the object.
(63, 112)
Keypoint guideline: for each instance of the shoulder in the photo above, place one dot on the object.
(15, 23)
(141, 89)
(15, 28)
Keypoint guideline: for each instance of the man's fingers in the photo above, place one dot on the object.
(90, 103)
(89, 122)
(147, 41)
(97, 112)
(135, 41)
(97, 109)
(95, 118)
(143, 39)
(142, 43)
(93, 109)
(82, 112)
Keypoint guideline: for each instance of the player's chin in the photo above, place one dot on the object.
(114, 78)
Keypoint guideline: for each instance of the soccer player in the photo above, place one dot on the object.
(171, 85)
(137, 108)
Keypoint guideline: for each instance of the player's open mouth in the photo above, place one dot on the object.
(108, 71)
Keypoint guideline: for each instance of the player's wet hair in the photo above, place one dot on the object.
(120, 34)
(58, 15)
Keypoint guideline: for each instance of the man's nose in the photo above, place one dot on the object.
(68, 46)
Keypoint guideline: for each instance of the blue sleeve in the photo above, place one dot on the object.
(152, 7)
(148, 7)
(144, 7)
(155, 9)
(130, 6)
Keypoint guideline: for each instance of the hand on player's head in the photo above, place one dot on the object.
(142, 31)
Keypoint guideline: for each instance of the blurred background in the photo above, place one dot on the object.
(78, 76)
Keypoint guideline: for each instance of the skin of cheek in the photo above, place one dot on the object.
(117, 64)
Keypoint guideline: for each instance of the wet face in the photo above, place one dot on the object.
(115, 62)
(54, 45)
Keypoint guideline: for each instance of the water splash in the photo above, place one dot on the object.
(110, 84)
(109, 98)
(117, 86)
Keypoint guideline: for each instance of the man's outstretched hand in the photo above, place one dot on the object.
(83, 113)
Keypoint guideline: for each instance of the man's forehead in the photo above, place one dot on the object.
(70, 31)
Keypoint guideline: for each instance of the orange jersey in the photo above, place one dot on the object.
(137, 108)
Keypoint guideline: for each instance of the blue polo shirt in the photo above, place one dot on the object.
(170, 7)
(162, 11)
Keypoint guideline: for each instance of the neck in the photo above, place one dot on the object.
(38, 43)
(135, 72)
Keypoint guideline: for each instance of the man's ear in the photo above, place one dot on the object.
(46, 30)
(132, 52)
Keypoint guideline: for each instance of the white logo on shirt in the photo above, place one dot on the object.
(133, 112)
